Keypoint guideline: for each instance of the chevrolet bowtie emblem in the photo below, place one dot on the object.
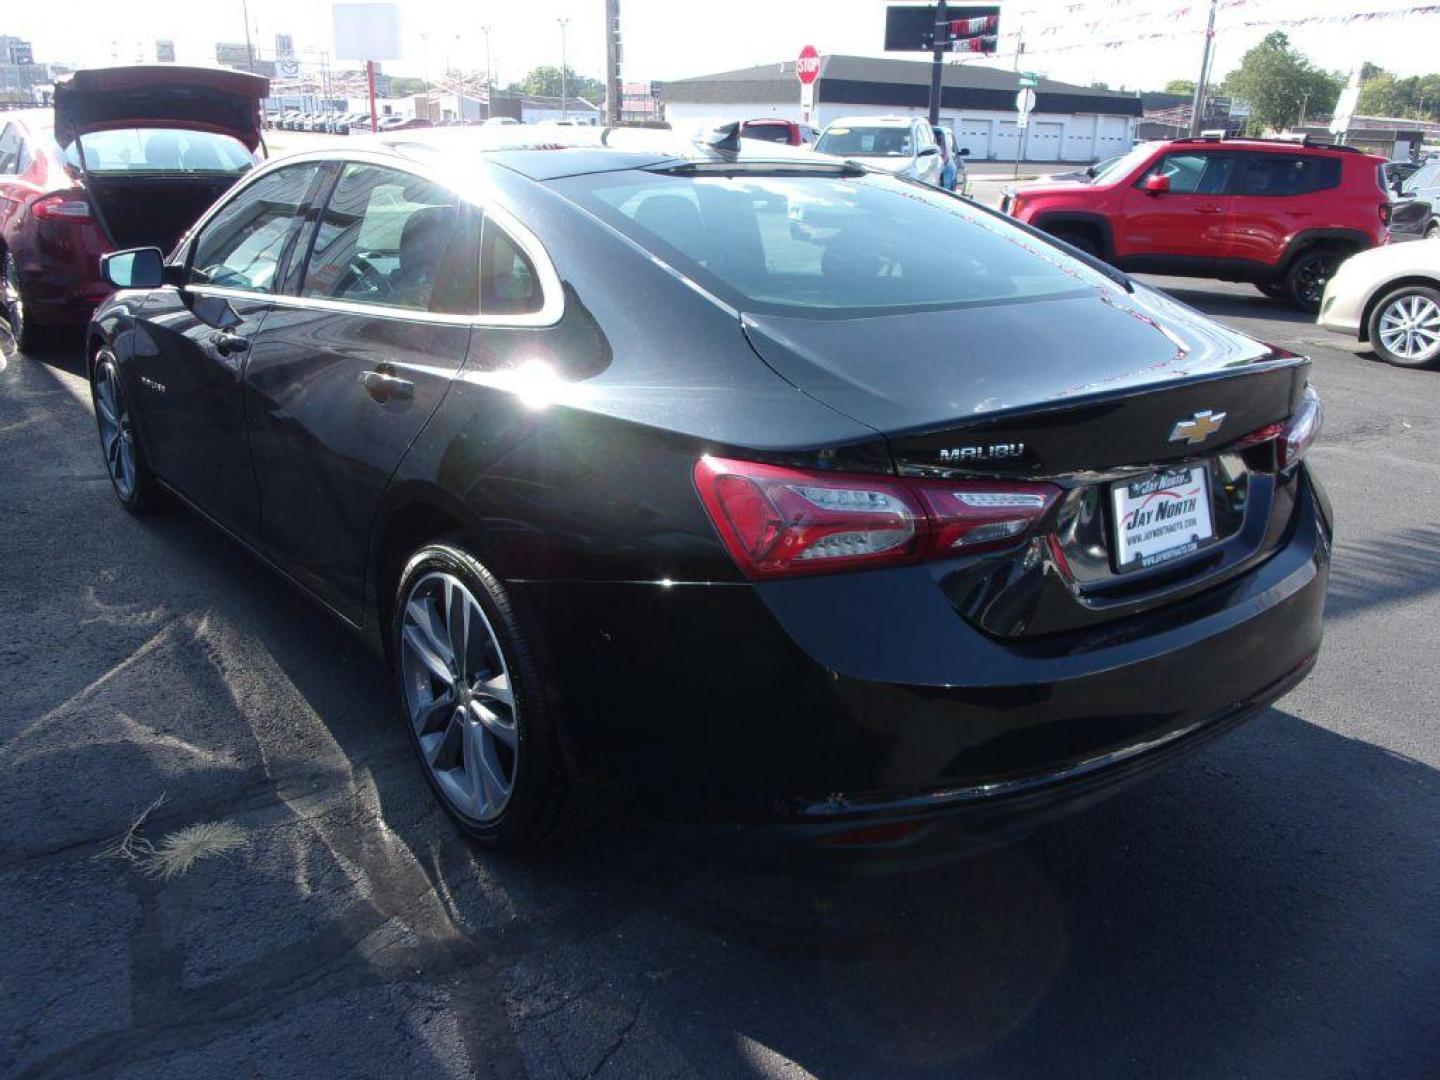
(1197, 430)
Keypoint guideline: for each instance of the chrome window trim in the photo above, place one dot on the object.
(552, 294)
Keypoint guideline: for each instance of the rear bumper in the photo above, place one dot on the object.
(826, 704)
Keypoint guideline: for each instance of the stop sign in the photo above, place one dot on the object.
(807, 68)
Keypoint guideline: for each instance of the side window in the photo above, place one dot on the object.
(508, 282)
(10, 149)
(1288, 174)
(242, 245)
(385, 238)
(1196, 172)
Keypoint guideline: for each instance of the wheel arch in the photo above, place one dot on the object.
(1352, 240)
(1385, 290)
(411, 515)
(1098, 224)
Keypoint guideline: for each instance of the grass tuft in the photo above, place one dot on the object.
(182, 849)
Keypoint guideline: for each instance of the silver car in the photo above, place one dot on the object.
(902, 145)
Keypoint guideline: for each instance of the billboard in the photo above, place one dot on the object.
(366, 31)
(967, 28)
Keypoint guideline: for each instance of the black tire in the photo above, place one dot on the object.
(1432, 231)
(1273, 291)
(1307, 275)
(27, 332)
(1419, 300)
(1078, 238)
(134, 485)
(538, 802)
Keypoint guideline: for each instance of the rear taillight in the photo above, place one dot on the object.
(61, 208)
(1385, 213)
(780, 522)
(1293, 437)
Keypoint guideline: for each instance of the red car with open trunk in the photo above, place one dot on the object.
(129, 157)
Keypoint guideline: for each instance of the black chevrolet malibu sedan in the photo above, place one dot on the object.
(737, 489)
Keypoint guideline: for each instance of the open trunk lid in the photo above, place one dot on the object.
(209, 99)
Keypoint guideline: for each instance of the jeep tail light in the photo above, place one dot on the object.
(782, 522)
(61, 208)
(1291, 438)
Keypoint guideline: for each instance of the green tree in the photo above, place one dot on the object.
(1276, 79)
(1180, 86)
(1099, 86)
(1384, 94)
(545, 80)
(405, 85)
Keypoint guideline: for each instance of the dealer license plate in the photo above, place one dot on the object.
(1162, 516)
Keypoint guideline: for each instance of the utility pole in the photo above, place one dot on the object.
(564, 104)
(937, 67)
(489, 77)
(1197, 113)
(614, 92)
(249, 51)
(1304, 101)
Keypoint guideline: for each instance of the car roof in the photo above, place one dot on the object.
(1278, 146)
(872, 121)
(548, 153)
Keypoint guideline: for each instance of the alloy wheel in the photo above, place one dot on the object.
(10, 297)
(1409, 327)
(117, 433)
(1312, 277)
(458, 695)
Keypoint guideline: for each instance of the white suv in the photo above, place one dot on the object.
(902, 145)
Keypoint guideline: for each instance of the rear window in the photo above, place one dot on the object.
(162, 150)
(828, 245)
(866, 142)
(777, 133)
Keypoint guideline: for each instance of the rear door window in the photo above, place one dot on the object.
(390, 238)
(1267, 174)
(243, 245)
(508, 281)
(1427, 177)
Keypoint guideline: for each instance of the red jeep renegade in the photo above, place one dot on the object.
(1280, 214)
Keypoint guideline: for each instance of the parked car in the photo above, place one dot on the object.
(1277, 213)
(129, 156)
(1415, 211)
(1390, 298)
(785, 132)
(952, 175)
(901, 145)
(642, 494)
(402, 123)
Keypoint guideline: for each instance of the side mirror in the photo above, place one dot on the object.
(137, 268)
(964, 151)
(1157, 185)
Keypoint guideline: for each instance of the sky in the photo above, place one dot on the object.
(1131, 43)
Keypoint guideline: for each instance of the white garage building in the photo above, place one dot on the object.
(1070, 123)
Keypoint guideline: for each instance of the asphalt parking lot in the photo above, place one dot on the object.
(1267, 908)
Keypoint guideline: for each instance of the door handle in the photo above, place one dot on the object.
(227, 343)
(383, 387)
(1207, 209)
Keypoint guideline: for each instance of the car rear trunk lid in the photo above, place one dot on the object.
(209, 99)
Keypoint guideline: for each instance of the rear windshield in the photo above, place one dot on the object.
(769, 132)
(828, 245)
(160, 150)
(866, 142)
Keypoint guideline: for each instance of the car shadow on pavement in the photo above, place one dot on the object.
(1229, 305)
(1399, 565)
(1264, 908)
